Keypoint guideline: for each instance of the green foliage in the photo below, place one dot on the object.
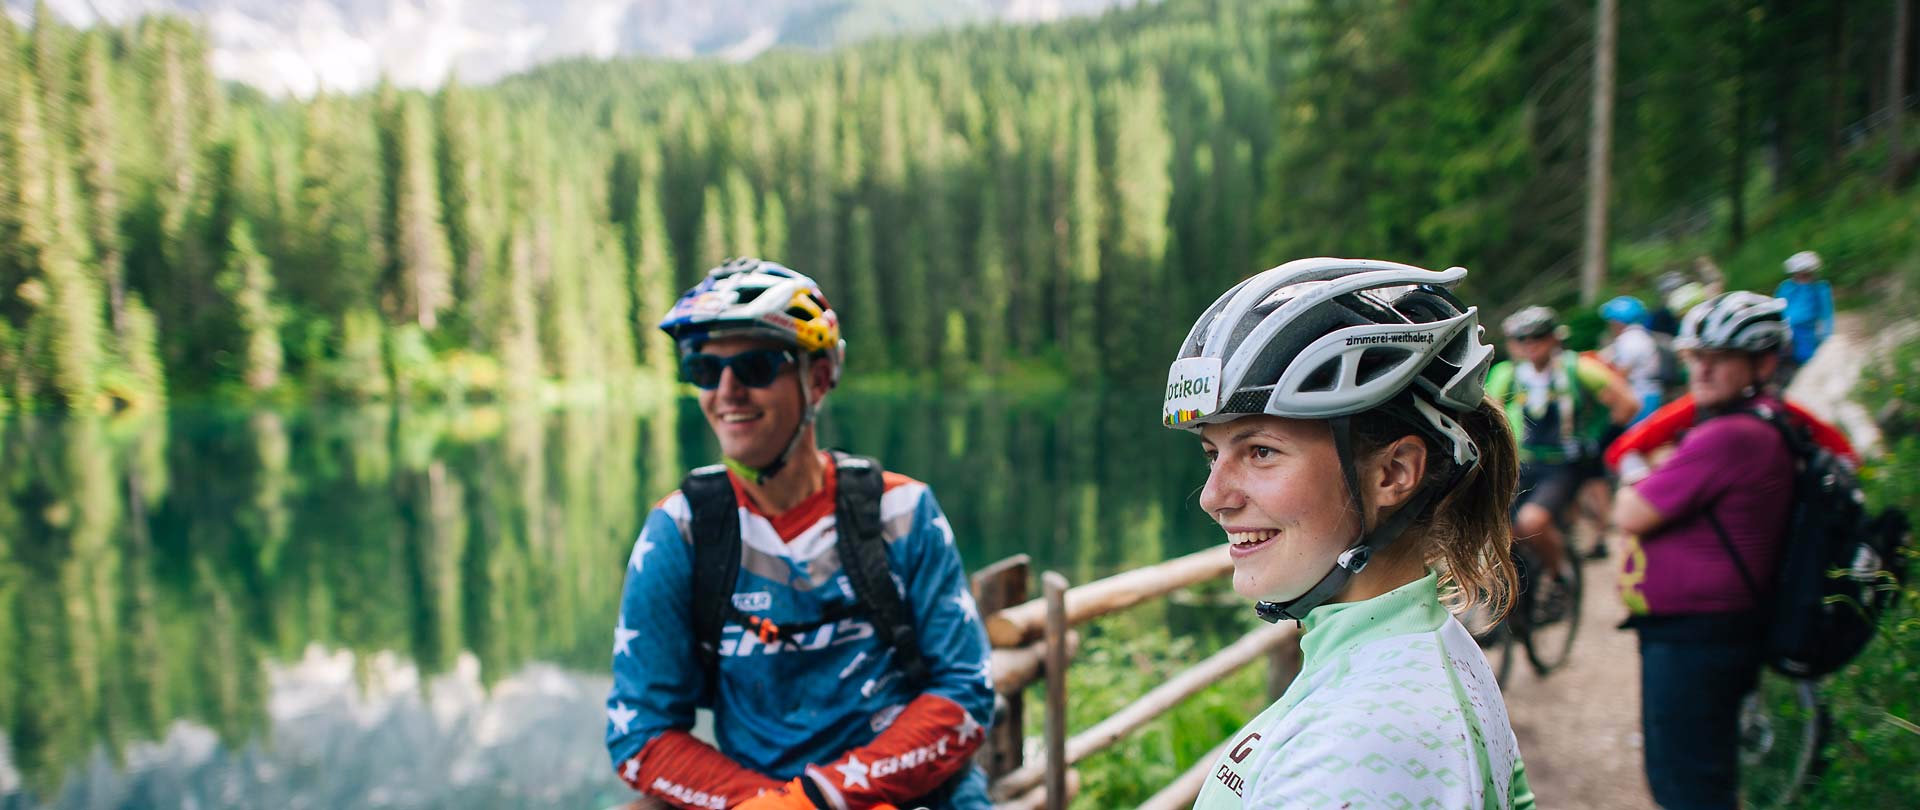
(1873, 754)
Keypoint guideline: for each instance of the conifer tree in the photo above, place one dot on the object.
(247, 282)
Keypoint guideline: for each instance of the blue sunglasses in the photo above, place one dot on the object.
(756, 368)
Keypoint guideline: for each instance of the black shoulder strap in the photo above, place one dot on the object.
(1739, 564)
(863, 555)
(716, 557)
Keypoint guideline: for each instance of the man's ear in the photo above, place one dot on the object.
(1398, 470)
(819, 379)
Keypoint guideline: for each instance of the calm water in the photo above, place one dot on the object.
(411, 607)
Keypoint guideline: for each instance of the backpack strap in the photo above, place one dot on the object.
(1797, 448)
(716, 557)
(863, 555)
(1738, 564)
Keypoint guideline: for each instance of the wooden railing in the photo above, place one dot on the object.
(1033, 640)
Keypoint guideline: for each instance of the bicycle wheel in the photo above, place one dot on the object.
(1552, 617)
(1782, 728)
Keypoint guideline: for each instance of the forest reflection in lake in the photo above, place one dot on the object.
(410, 606)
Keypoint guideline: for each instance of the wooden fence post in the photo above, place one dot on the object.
(1056, 591)
(997, 586)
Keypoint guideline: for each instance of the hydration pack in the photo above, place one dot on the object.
(858, 486)
(1841, 567)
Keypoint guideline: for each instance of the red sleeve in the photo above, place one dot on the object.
(1824, 434)
(931, 740)
(1660, 428)
(686, 772)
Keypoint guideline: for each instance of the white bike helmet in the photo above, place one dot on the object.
(1739, 321)
(1805, 261)
(1331, 339)
(748, 297)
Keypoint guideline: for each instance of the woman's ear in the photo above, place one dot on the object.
(1399, 469)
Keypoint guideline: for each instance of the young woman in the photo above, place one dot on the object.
(1361, 477)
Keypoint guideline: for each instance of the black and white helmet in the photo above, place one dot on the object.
(1737, 321)
(1320, 338)
(1332, 339)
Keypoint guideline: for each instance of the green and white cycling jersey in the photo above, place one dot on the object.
(1394, 707)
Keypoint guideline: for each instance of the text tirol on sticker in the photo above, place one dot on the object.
(1193, 390)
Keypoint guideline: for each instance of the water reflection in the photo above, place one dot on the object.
(309, 607)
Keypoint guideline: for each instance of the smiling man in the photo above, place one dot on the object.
(815, 603)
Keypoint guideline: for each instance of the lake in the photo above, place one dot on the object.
(381, 606)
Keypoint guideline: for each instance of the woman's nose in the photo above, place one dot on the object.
(1220, 494)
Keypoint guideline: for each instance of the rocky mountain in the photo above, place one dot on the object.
(298, 46)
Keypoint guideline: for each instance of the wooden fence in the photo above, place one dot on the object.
(1033, 640)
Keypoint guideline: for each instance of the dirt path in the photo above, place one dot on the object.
(1579, 728)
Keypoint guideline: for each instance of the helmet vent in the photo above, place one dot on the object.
(799, 313)
(1323, 378)
(1377, 361)
(744, 295)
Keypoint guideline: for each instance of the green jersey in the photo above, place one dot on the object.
(1395, 706)
(1555, 412)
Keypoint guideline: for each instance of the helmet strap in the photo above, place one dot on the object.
(1363, 547)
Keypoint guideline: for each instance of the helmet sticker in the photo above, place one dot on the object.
(1193, 390)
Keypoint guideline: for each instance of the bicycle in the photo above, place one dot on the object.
(1783, 726)
(1544, 618)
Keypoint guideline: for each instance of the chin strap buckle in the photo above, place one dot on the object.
(1355, 558)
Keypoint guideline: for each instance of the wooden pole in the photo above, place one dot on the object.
(995, 587)
(1037, 798)
(1593, 262)
(1056, 596)
(1180, 793)
(1014, 670)
(1897, 92)
(1021, 624)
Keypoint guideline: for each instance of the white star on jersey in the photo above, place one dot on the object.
(854, 773)
(967, 727)
(621, 716)
(632, 771)
(622, 638)
(640, 549)
(946, 529)
(966, 604)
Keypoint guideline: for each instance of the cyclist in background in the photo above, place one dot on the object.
(1560, 406)
(1634, 351)
(1809, 310)
(1359, 473)
(1709, 523)
(1663, 320)
(819, 700)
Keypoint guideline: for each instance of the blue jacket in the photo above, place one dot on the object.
(1809, 314)
(779, 709)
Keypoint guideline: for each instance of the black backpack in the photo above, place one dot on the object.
(1673, 373)
(1840, 569)
(863, 558)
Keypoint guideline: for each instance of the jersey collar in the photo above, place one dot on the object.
(1411, 608)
